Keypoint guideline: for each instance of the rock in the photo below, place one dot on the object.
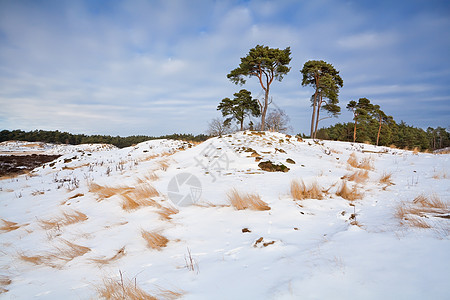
(271, 167)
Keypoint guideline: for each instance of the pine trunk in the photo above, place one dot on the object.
(379, 130)
(317, 115)
(264, 110)
(354, 132)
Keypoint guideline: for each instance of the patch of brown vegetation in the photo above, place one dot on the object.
(163, 164)
(300, 191)
(9, 226)
(139, 197)
(66, 219)
(4, 282)
(122, 289)
(386, 179)
(154, 239)
(167, 211)
(104, 192)
(104, 261)
(348, 194)
(247, 201)
(359, 176)
(365, 164)
(422, 207)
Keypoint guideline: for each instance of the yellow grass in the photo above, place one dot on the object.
(414, 214)
(433, 202)
(104, 192)
(416, 150)
(365, 164)
(359, 176)
(139, 197)
(104, 261)
(247, 201)
(349, 194)
(386, 179)
(154, 239)
(66, 219)
(70, 251)
(36, 259)
(170, 295)
(122, 289)
(300, 191)
(9, 226)
(167, 211)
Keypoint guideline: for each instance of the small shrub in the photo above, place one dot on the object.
(271, 167)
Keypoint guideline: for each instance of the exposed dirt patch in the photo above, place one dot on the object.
(18, 164)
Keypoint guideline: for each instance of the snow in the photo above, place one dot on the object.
(314, 248)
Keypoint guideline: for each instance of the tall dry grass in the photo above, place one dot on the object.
(121, 289)
(418, 213)
(4, 282)
(386, 178)
(154, 239)
(300, 191)
(359, 176)
(365, 164)
(246, 201)
(349, 194)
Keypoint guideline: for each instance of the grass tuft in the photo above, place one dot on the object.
(359, 176)
(416, 213)
(104, 192)
(154, 239)
(247, 201)
(365, 164)
(9, 226)
(66, 219)
(104, 261)
(139, 197)
(386, 179)
(122, 289)
(300, 191)
(167, 211)
(350, 194)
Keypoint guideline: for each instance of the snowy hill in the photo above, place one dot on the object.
(171, 220)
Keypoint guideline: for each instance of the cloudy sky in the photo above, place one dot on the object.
(158, 67)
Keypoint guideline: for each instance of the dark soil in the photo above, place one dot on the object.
(18, 164)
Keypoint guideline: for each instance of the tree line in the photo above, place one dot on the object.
(58, 137)
(371, 123)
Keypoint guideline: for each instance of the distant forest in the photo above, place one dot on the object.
(58, 137)
(400, 135)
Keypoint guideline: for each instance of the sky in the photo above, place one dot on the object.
(160, 67)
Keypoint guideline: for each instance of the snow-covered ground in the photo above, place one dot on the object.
(91, 220)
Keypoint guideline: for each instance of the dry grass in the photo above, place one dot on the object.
(122, 289)
(416, 150)
(139, 197)
(247, 201)
(416, 213)
(386, 179)
(154, 239)
(36, 259)
(349, 194)
(359, 176)
(70, 251)
(104, 261)
(66, 219)
(300, 191)
(149, 177)
(170, 295)
(440, 175)
(433, 202)
(9, 226)
(365, 164)
(104, 192)
(167, 211)
(163, 164)
(4, 281)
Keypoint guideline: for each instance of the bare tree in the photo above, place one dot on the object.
(277, 120)
(217, 127)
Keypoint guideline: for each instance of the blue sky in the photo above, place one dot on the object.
(159, 67)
